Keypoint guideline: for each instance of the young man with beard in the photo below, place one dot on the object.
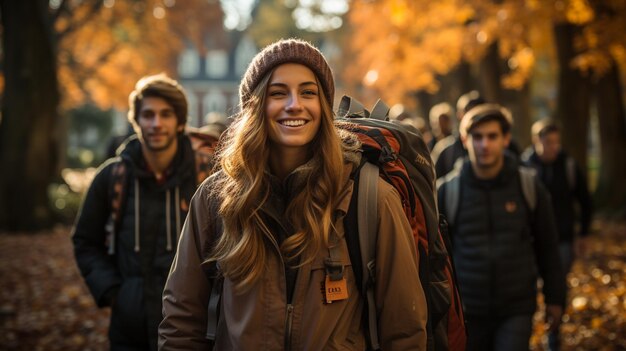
(124, 250)
(501, 243)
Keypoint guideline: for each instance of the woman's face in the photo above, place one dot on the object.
(292, 107)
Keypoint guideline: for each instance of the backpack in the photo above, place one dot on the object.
(203, 146)
(399, 155)
(453, 190)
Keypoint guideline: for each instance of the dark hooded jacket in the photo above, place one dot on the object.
(567, 191)
(131, 280)
(500, 246)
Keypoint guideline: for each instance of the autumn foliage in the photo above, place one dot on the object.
(404, 45)
(105, 46)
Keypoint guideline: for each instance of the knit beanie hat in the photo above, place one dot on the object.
(286, 51)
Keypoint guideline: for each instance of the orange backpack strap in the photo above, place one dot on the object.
(117, 193)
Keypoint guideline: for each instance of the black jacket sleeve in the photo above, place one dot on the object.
(97, 267)
(547, 250)
(581, 192)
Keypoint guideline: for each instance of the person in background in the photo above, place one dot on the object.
(440, 118)
(448, 150)
(124, 255)
(269, 222)
(500, 243)
(402, 115)
(567, 185)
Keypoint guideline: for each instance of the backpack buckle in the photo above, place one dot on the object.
(387, 154)
(334, 269)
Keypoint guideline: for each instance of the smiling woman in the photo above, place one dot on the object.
(266, 231)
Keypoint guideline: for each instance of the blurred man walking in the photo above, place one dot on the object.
(503, 236)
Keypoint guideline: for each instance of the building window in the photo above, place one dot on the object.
(189, 63)
(192, 109)
(214, 101)
(217, 64)
(243, 55)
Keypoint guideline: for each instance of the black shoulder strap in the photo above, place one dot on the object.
(215, 300)
(214, 274)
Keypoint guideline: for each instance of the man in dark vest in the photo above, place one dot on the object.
(125, 261)
(502, 239)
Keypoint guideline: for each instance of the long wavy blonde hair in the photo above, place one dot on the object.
(243, 187)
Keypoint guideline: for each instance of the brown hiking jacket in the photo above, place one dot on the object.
(261, 318)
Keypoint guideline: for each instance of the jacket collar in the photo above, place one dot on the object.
(509, 169)
(181, 167)
(282, 192)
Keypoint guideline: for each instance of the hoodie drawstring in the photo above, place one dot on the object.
(136, 215)
(177, 198)
(168, 218)
(168, 221)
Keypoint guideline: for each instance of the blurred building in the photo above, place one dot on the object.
(211, 79)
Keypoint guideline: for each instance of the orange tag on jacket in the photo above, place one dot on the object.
(336, 290)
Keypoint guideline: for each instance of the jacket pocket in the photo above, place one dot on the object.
(127, 314)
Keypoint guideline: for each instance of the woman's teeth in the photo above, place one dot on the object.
(293, 123)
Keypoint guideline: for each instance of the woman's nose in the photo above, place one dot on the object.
(293, 103)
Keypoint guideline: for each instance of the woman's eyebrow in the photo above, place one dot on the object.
(279, 84)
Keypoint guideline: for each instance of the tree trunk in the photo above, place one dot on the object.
(573, 96)
(452, 85)
(490, 75)
(611, 191)
(491, 69)
(519, 103)
(28, 129)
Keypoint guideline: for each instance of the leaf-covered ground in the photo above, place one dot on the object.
(595, 317)
(44, 304)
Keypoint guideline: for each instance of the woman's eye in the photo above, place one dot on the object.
(277, 93)
(309, 92)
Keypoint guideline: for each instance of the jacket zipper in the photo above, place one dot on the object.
(289, 312)
(490, 244)
(288, 322)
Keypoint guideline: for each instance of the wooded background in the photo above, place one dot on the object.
(565, 58)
